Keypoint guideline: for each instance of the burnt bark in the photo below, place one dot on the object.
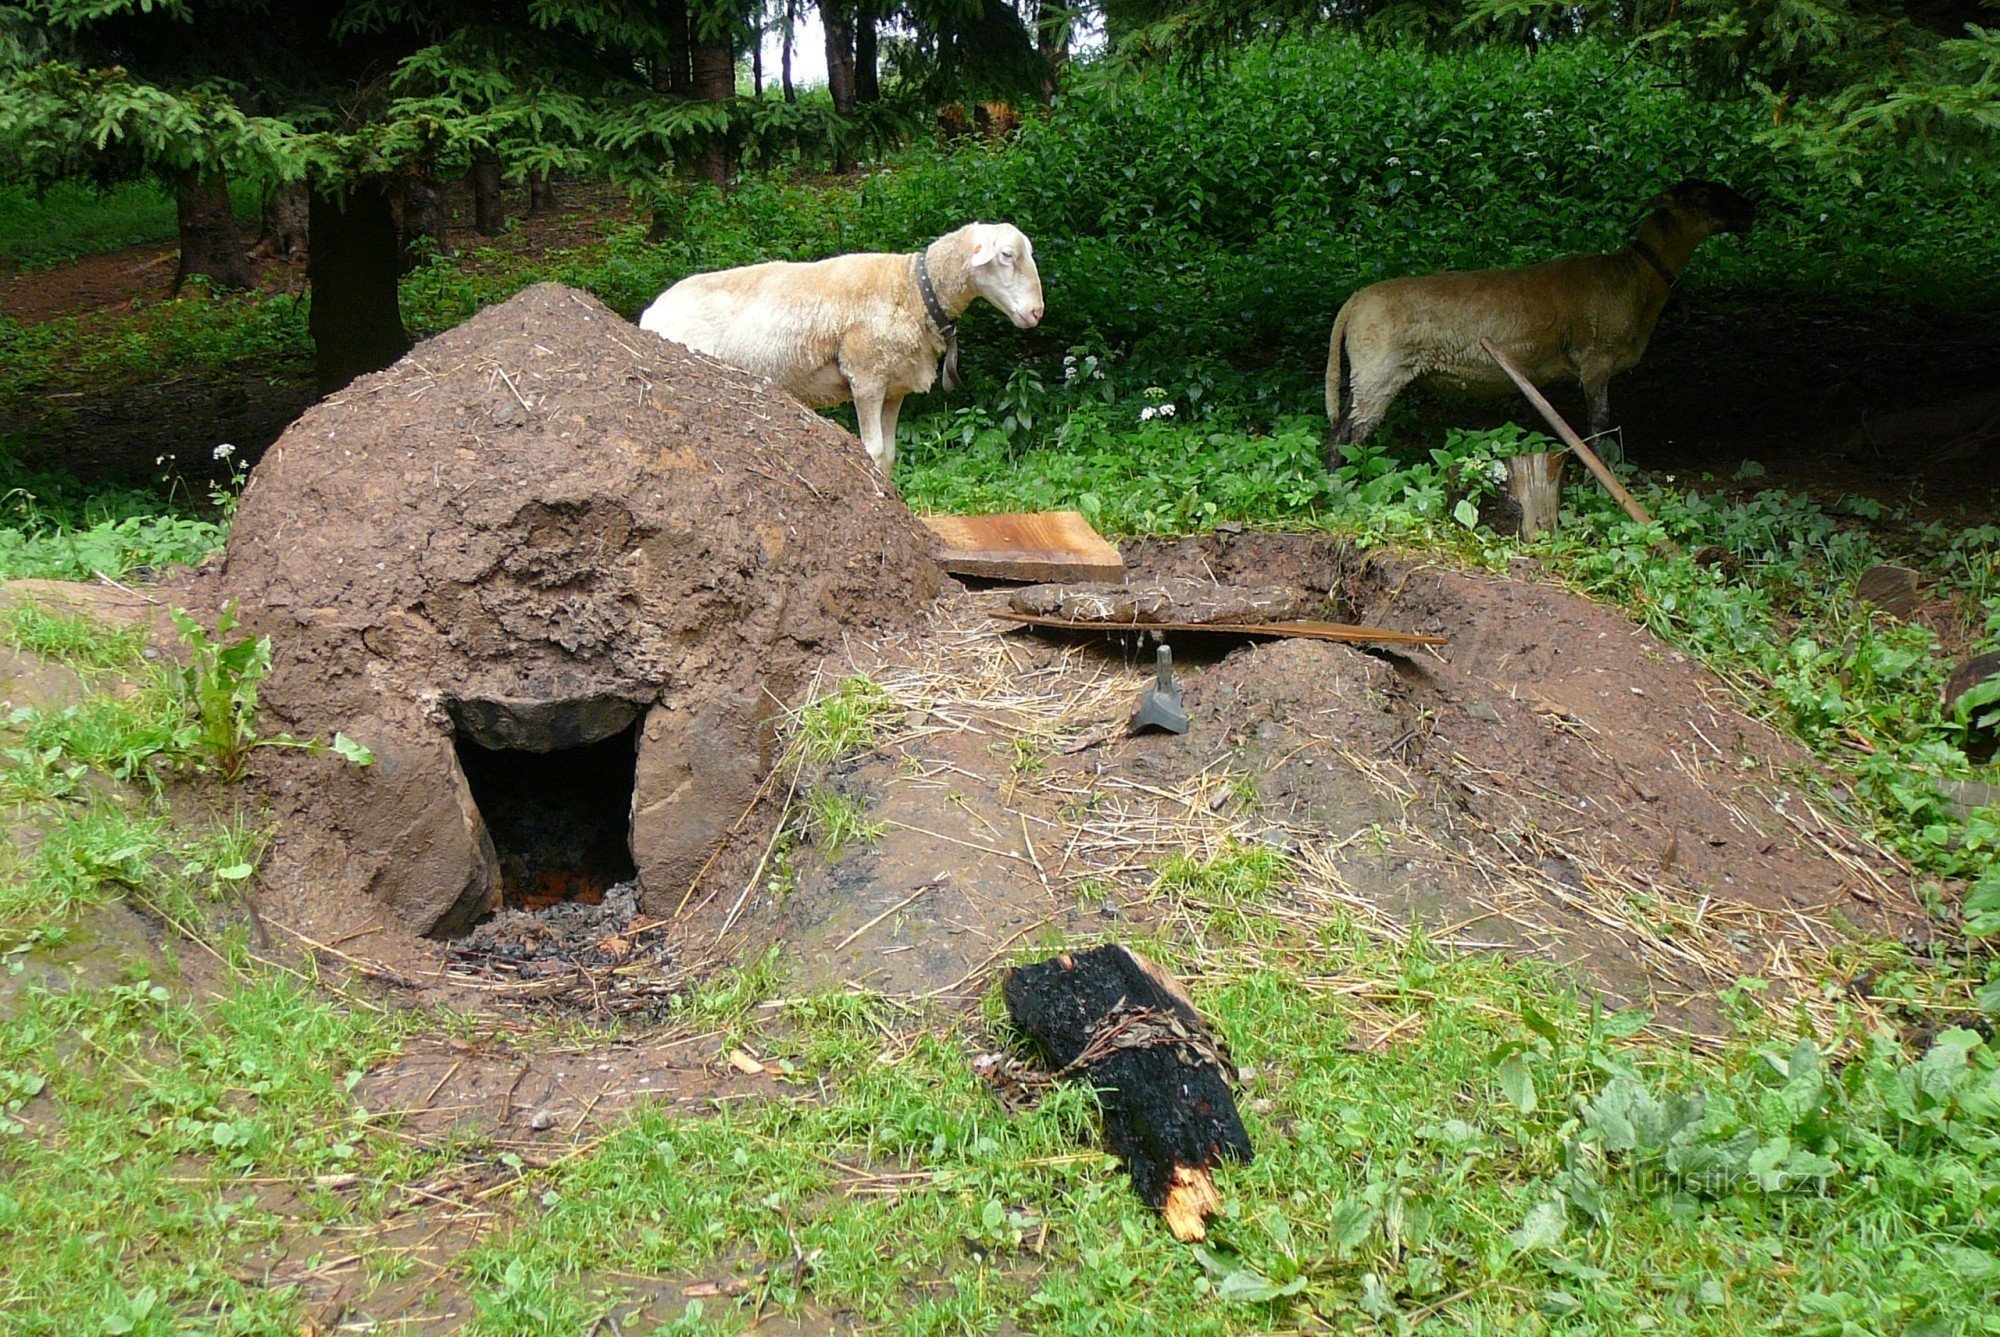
(210, 243)
(356, 324)
(489, 215)
(1113, 1019)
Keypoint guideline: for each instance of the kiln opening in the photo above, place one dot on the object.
(560, 820)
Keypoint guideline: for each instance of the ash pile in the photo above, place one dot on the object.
(558, 939)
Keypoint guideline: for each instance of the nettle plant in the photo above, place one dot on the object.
(220, 684)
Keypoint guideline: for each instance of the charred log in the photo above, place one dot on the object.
(1113, 1019)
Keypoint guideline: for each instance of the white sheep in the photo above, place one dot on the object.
(870, 327)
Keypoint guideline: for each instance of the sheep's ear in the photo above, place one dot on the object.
(983, 252)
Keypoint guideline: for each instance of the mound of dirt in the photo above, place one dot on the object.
(1552, 782)
(572, 561)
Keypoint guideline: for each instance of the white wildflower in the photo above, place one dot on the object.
(1395, 162)
(224, 451)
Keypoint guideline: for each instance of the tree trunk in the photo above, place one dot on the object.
(542, 196)
(715, 81)
(867, 75)
(355, 323)
(1052, 26)
(838, 20)
(285, 234)
(488, 214)
(210, 244)
(674, 76)
(757, 63)
(791, 30)
(422, 217)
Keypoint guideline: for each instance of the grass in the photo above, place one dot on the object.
(70, 220)
(841, 721)
(1452, 1141)
(837, 820)
(69, 637)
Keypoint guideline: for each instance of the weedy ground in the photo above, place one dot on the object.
(1448, 1141)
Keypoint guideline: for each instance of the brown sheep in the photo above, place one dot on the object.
(1583, 318)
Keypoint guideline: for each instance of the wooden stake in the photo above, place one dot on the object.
(1572, 440)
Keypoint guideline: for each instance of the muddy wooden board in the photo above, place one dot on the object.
(1038, 546)
(1313, 631)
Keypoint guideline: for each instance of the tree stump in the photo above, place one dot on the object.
(1982, 740)
(1112, 1018)
(1534, 483)
(1896, 590)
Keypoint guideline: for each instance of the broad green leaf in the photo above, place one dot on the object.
(1516, 1081)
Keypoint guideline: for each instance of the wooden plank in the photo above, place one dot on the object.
(1343, 632)
(1035, 546)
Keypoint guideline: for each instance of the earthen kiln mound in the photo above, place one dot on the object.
(560, 575)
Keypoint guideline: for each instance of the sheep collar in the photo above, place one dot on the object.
(946, 326)
(1658, 266)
